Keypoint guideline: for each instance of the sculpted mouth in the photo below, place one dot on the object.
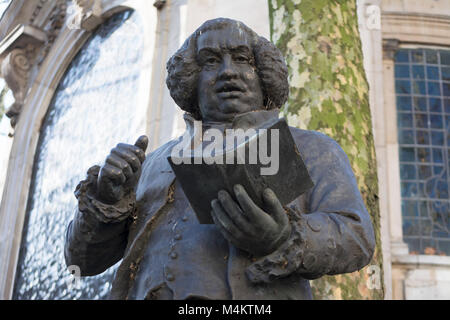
(229, 88)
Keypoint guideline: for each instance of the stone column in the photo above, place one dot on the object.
(369, 21)
(393, 194)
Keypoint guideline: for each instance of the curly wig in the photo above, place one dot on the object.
(183, 68)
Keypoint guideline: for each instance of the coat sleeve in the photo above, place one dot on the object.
(335, 234)
(97, 236)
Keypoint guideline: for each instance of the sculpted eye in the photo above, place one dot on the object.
(211, 60)
(241, 59)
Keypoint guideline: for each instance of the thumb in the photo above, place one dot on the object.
(142, 142)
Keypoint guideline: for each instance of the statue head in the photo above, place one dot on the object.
(224, 68)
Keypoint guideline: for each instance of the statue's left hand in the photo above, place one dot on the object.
(249, 227)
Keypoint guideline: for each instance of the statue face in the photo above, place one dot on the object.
(228, 82)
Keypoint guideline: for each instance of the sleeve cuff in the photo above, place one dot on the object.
(309, 251)
(285, 260)
(106, 213)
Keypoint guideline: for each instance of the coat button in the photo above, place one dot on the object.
(314, 225)
(148, 282)
(309, 261)
(170, 277)
(331, 244)
(173, 255)
(184, 218)
(177, 236)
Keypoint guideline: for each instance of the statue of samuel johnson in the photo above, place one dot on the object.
(133, 208)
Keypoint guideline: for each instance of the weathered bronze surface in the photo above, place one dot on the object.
(133, 207)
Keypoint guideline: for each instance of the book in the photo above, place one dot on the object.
(266, 157)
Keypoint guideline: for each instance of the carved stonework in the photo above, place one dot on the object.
(159, 4)
(53, 25)
(390, 46)
(86, 14)
(15, 69)
(19, 52)
(37, 10)
(24, 47)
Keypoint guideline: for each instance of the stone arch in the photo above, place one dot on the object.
(26, 135)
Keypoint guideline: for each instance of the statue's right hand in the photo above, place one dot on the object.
(121, 171)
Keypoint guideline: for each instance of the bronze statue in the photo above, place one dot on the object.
(133, 207)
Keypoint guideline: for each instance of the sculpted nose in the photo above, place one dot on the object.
(228, 69)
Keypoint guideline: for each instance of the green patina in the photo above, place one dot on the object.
(320, 40)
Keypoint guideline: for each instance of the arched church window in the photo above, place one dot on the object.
(422, 85)
(95, 106)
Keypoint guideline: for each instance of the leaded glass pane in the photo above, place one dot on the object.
(433, 73)
(423, 208)
(437, 138)
(421, 120)
(404, 103)
(406, 136)
(431, 56)
(407, 172)
(445, 74)
(422, 77)
(446, 88)
(402, 71)
(417, 56)
(436, 121)
(420, 104)
(410, 208)
(418, 72)
(423, 155)
(402, 56)
(405, 120)
(434, 89)
(407, 154)
(418, 87)
(445, 57)
(403, 86)
(422, 137)
(435, 104)
(424, 172)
